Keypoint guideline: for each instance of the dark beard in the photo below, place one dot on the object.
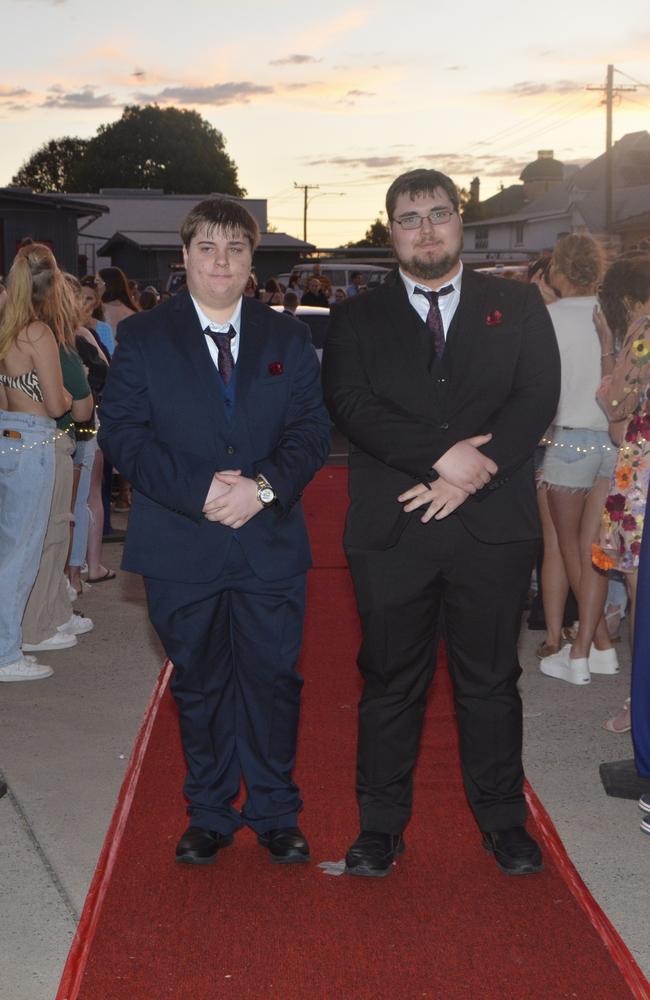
(429, 270)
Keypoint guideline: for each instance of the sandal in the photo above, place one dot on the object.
(546, 649)
(569, 632)
(108, 575)
(621, 723)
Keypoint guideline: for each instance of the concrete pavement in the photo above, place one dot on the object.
(65, 743)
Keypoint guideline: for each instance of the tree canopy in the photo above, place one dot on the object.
(52, 166)
(377, 235)
(148, 147)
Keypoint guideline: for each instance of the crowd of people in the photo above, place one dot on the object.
(57, 338)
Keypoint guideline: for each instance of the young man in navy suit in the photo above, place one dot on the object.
(213, 411)
(443, 381)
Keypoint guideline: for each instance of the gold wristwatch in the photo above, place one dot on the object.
(265, 492)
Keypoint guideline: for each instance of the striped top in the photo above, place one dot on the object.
(27, 383)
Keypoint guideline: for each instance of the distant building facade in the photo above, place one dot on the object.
(140, 234)
(524, 220)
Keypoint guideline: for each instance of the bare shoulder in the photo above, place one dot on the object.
(36, 334)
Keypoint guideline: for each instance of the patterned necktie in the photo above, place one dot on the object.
(226, 362)
(434, 319)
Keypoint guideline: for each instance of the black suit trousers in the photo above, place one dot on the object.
(439, 578)
(234, 643)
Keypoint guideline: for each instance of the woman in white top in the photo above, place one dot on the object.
(579, 458)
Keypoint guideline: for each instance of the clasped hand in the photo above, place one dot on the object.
(463, 470)
(232, 499)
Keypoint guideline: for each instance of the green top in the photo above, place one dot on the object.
(75, 381)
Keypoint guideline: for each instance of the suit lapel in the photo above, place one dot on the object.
(406, 344)
(190, 336)
(468, 321)
(252, 336)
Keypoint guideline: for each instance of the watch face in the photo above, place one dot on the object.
(266, 495)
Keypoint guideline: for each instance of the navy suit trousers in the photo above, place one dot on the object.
(234, 643)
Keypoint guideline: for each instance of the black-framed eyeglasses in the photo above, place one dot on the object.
(414, 220)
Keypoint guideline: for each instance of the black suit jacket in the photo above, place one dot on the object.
(500, 373)
(164, 426)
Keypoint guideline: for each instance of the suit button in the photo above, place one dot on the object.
(230, 450)
(444, 427)
(441, 381)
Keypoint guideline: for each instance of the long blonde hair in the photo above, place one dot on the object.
(35, 291)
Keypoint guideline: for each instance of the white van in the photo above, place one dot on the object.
(338, 272)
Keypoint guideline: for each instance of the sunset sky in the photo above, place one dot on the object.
(335, 94)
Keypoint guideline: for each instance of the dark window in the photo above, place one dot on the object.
(481, 238)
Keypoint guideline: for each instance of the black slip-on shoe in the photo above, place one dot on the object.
(198, 846)
(515, 851)
(372, 854)
(286, 846)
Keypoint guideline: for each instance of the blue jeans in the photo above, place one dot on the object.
(84, 458)
(26, 483)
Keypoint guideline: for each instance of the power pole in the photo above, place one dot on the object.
(609, 90)
(306, 188)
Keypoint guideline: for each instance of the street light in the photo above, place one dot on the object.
(306, 188)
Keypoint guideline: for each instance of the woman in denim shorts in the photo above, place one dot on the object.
(580, 457)
(31, 396)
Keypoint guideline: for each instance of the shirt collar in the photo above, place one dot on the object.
(411, 285)
(234, 321)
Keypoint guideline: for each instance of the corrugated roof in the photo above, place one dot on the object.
(80, 207)
(170, 240)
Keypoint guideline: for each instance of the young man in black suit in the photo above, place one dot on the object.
(213, 411)
(444, 381)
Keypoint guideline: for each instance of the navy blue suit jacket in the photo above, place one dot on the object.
(164, 426)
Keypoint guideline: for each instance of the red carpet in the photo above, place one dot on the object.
(446, 925)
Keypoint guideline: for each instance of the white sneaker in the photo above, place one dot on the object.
(72, 593)
(76, 625)
(603, 661)
(60, 640)
(25, 670)
(563, 668)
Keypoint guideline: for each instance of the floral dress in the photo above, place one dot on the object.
(625, 397)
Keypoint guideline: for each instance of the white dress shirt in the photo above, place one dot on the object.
(234, 322)
(447, 304)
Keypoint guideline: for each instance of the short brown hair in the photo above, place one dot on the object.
(227, 214)
(420, 182)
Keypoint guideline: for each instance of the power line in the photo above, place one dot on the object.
(527, 121)
(627, 75)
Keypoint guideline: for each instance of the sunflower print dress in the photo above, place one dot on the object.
(625, 397)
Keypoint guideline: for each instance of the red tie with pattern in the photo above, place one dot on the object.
(225, 362)
(434, 319)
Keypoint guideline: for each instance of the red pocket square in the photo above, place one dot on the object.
(494, 318)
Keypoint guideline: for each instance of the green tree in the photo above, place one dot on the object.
(152, 147)
(53, 166)
(377, 235)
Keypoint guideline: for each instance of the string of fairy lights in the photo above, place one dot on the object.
(57, 435)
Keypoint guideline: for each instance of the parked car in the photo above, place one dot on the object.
(317, 319)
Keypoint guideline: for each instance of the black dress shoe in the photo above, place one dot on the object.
(515, 851)
(372, 854)
(286, 845)
(199, 847)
